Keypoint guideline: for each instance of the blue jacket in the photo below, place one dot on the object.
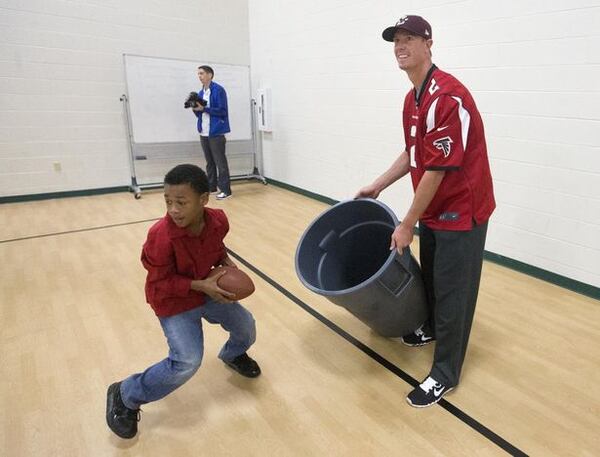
(219, 115)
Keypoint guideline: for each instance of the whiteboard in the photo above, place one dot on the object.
(157, 88)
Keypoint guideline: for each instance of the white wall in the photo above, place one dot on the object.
(532, 66)
(61, 76)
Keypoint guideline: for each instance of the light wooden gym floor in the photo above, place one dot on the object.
(73, 319)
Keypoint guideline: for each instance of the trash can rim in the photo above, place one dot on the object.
(374, 277)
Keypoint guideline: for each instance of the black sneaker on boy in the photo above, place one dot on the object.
(121, 420)
(244, 365)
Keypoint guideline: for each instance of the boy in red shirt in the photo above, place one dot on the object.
(180, 251)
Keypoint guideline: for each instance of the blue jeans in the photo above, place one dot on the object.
(186, 348)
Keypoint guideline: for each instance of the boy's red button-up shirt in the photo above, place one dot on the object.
(174, 257)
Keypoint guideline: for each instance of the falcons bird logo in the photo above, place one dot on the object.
(444, 145)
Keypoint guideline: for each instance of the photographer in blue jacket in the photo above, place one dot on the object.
(213, 124)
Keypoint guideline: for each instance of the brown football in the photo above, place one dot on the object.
(235, 280)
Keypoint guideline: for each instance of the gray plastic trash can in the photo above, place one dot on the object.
(344, 255)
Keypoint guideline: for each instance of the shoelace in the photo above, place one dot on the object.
(246, 363)
(130, 414)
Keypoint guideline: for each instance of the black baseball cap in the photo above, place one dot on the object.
(413, 24)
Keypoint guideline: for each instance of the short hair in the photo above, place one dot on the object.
(207, 69)
(188, 174)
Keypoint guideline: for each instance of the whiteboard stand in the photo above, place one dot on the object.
(162, 134)
(140, 154)
(137, 192)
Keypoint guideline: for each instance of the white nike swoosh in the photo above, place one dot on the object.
(442, 128)
(437, 392)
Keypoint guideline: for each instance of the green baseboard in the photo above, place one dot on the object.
(66, 194)
(539, 273)
(298, 190)
(545, 275)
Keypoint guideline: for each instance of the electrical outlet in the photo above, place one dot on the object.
(57, 166)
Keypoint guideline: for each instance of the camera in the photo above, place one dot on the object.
(193, 99)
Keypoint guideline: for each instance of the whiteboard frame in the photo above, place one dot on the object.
(246, 148)
(140, 135)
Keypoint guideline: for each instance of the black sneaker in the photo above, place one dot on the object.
(428, 393)
(245, 366)
(419, 337)
(121, 420)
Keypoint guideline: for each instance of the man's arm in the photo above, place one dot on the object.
(428, 186)
(397, 170)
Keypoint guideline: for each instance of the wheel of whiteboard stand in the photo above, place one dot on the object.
(137, 192)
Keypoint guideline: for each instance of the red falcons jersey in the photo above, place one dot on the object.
(443, 130)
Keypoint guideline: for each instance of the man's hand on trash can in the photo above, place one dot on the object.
(370, 191)
(402, 237)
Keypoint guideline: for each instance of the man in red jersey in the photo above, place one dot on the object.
(446, 155)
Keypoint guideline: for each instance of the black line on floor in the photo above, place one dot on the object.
(89, 229)
(456, 412)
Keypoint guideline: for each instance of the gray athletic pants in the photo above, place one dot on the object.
(217, 168)
(451, 264)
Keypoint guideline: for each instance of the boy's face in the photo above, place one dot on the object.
(185, 205)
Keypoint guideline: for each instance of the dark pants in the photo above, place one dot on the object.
(216, 163)
(451, 264)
